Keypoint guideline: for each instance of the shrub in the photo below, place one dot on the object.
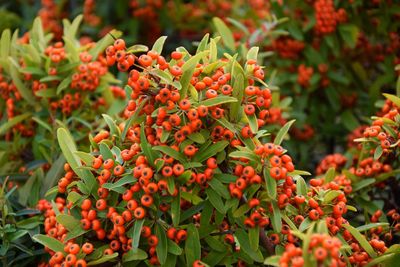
(43, 85)
(191, 177)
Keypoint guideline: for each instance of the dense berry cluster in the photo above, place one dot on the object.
(304, 75)
(287, 47)
(335, 160)
(327, 17)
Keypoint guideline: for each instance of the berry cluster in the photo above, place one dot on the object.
(335, 160)
(288, 48)
(327, 17)
(304, 75)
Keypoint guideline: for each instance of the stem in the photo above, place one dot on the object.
(266, 242)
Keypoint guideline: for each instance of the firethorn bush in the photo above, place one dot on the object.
(188, 175)
(45, 84)
(260, 133)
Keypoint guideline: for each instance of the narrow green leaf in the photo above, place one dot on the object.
(101, 45)
(361, 240)
(210, 151)
(135, 254)
(254, 236)
(370, 226)
(270, 184)
(49, 242)
(162, 246)
(12, 122)
(215, 200)
(133, 118)
(221, 99)
(135, 234)
(22, 89)
(68, 148)
(114, 130)
(282, 132)
(244, 241)
(176, 210)
(188, 70)
(68, 221)
(192, 245)
(276, 219)
(225, 33)
(159, 44)
(330, 175)
(104, 258)
(393, 98)
(171, 152)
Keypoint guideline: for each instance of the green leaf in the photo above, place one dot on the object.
(74, 197)
(241, 210)
(101, 45)
(245, 154)
(244, 241)
(363, 183)
(215, 200)
(209, 151)
(105, 151)
(272, 261)
(12, 122)
(135, 235)
(282, 132)
(369, 226)
(330, 175)
(146, 148)
(378, 152)
(114, 130)
(361, 240)
(253, 53)
(331, 195)
(5, 44)
(219, 188)
(254, 235)
(176, 210)
(49, 242)
(22, 89)
(133, 118)
(173, 248)
(238, 91)
(221, 99)
(381, 259)
(68, 148)
(213, 50)
(159, 44)
(171, 152)
(68, 221)
(128, 179)
(137, 48)
(192, 245)
(276, 219)
(162, 246)
(104, 258)
(203, 43)
(85, 157)
(135, 254)
(393, 98)
(215, 244)
(349, 33)
(252, 119)
(270, 184)
(197, 137)
(225, 33)
(188, 70)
